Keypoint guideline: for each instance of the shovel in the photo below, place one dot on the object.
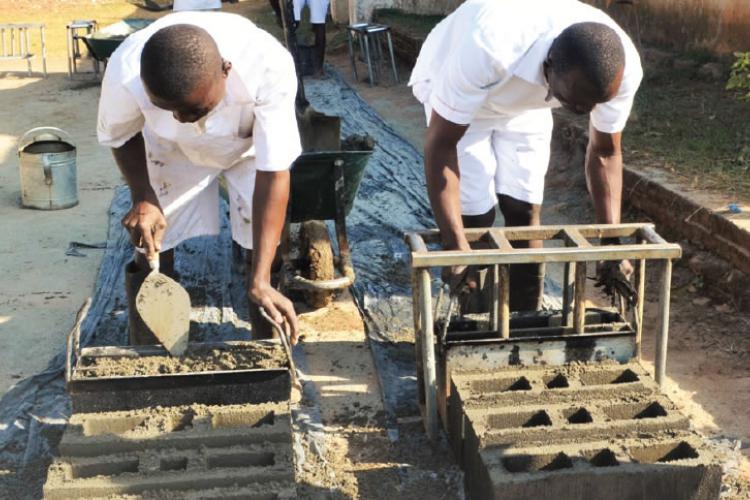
(165, 308)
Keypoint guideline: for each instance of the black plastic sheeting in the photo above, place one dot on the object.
(392, 199)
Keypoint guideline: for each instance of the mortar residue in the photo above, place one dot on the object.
(259, 357)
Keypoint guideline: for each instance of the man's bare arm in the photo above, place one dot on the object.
(604, 175)
(270, 200)
(145, 220)
(443, 179)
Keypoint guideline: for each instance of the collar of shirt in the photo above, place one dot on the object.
(530, 66)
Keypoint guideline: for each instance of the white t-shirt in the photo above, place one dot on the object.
(256, 117)
(485, 61)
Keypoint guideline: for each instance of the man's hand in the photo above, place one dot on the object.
(146, 224)
(614, 279)
(276, 305)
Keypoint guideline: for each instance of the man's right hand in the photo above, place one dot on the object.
(146, 224)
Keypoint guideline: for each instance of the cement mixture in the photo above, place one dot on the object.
(259, 357)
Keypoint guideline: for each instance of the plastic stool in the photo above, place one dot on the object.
(75, 31)
(369, 37)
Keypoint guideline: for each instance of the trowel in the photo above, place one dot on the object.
(165, 308)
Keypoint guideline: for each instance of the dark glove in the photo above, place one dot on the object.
(613, 277)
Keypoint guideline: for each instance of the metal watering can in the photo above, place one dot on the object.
(47, 162)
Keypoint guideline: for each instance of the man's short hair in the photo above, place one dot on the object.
(595, 49)
(176, 58)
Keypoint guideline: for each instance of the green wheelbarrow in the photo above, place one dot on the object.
(324, 185)
(103, 43)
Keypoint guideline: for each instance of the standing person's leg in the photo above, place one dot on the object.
(523, 159)
(276, 10)
(318, 13)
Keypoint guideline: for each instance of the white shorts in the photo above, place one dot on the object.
(189, 196)
(318, 10)
(495, 159)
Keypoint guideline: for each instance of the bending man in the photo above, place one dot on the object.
(191, 98)
(489, 75)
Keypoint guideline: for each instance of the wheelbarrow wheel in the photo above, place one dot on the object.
(316, 245)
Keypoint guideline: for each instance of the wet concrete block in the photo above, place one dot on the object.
(578, 431)
(232, 451)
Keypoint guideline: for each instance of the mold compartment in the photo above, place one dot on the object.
(108, 468)
(578, 416)
(182, 422)
(96, 426)
(635, 411)
(524, 419)
(602, 458)
(501, 385)
(169, 464)
(245, 418)
(609, 377)
(537, 463)
(662, 453)
(244, 459)
(558, 381)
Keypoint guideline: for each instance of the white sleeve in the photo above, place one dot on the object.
(275, 133)
(610, 117)
(120, 116)
(465, 80)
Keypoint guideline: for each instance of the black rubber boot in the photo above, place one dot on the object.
(526, 287)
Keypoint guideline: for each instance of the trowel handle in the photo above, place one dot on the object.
(154, 263)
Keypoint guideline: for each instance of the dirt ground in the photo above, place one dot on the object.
(709, 351)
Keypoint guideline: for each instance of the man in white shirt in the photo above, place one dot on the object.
(318, 13)
(191, 98)
(489, 75)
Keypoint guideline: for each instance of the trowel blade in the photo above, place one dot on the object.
(165, 308)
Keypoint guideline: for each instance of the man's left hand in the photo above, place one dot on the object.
(276, 305)
(614, 279)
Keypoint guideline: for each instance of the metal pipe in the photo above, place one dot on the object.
(495, 294)
(663, 335)
(428, 354)
(417, 336)
(579, 304)
(504, 302)
(640, 301)
(44, 52)
(568, 271)
(393, 58)
(488, 257)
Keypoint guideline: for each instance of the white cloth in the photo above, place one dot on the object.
(483, 66)
(318, 10)
(180, 5)
(253, 128)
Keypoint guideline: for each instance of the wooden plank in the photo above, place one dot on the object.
(579, 305)
(574, 237)
(498, 239)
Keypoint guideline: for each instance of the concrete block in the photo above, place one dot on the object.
(594, 431)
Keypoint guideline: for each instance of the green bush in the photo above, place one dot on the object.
(739, 78)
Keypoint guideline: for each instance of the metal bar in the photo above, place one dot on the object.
(367, 56)
(569, 271)
(428, 354)
(73, 339)
(393, 58)
(487, 257)
(352, 57)
(579, 304)
(415, 242)
(28, 50)
(543, 332)
(495, 294)
(548, 232)
(663, 335)
(640, 278)
(504, 302)
(417, 336)
(498, 239)
(649, 234)
(68, 45)
(44, 51)
(574, 236)
(2, 34)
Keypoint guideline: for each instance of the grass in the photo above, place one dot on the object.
(692, 127)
